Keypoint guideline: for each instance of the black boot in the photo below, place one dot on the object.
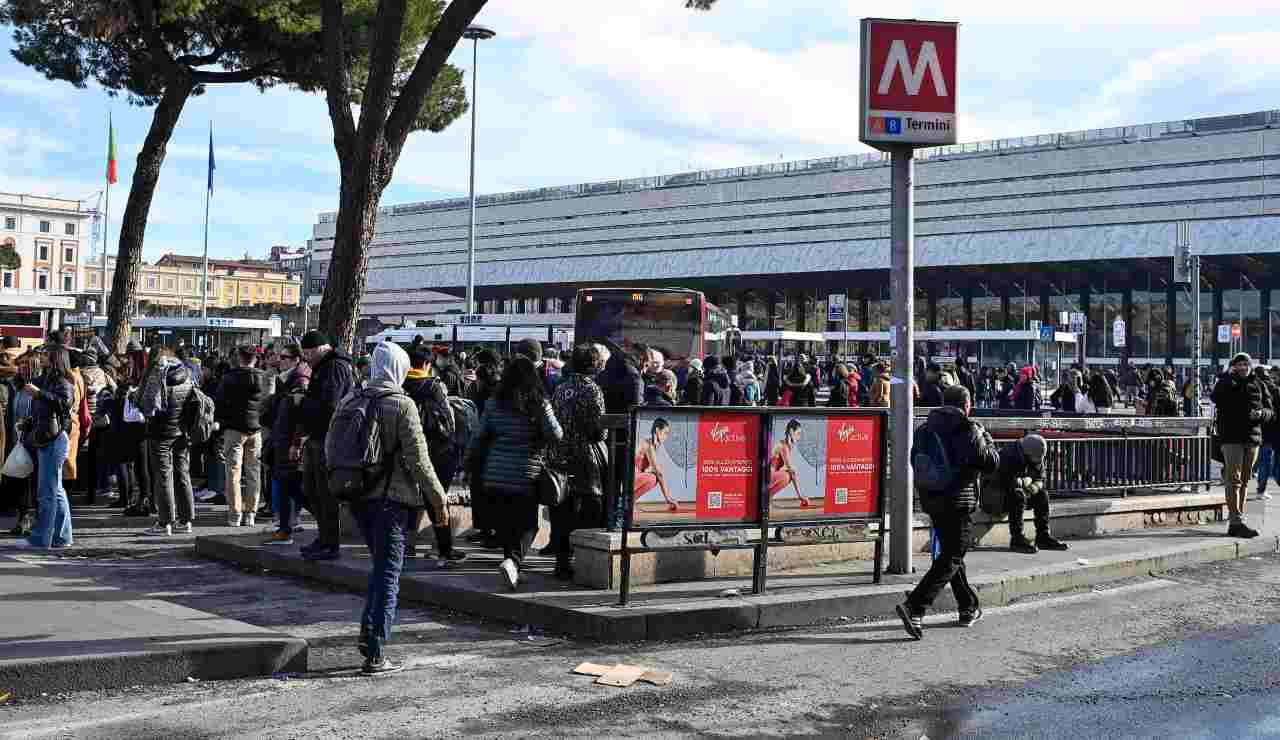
(444, 545)
(1019, 543)
(1046, 541)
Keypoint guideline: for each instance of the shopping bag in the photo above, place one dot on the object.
(18, 464)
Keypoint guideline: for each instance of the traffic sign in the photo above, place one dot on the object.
(836, 307)
(1117, 333)
(1046, 333)
(1235, 331)
(908, 82)
(1224, 333)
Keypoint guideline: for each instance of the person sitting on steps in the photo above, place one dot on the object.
(1021, 475)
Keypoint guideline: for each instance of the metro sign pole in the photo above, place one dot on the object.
(908, 100)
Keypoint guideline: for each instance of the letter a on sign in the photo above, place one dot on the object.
(908, 82)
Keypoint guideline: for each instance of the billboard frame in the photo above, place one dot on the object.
(765, 532)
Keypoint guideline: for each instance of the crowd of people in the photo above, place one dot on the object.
(304, 425)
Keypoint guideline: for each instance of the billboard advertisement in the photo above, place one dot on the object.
(693, 466)
(908, 82)
(823, 466)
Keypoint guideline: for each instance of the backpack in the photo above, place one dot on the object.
(931, 462)
(1163, 401)
(437, 415)
(353, 451)
(466, 419)
(196, 419)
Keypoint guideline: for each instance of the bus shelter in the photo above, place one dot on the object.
(205, 332)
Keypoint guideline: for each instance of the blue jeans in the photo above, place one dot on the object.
(53, 524)
(287, 500)
(382, 522)
(1268, 467)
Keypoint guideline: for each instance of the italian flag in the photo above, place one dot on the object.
(111, 152)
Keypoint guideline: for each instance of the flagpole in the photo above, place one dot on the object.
(106, 236)
(204, 282)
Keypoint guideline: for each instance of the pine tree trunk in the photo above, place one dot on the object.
(349, 265)
(133, 226)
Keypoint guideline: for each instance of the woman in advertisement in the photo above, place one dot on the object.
(783, 474)
(648, 475)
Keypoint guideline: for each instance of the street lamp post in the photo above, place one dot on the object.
(476, 34)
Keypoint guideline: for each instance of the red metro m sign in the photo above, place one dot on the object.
(908, 82)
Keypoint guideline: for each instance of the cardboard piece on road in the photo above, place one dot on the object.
(621, 676)
(592, 669)
(657, 678)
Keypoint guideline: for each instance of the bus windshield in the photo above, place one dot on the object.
(668, 321)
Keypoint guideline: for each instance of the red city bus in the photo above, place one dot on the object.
(681, 324)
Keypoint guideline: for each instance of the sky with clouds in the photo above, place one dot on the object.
(581, 90)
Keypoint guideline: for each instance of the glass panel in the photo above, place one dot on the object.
(1059, 303)
(1023, 309)
(951, 310)
(789, 306)
(1104, 309)
(757, 313)
(1244, 307)
(812, 320)
(987, 313)
(879, 311)
(921, 311)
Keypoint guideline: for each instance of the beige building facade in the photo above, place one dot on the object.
(175, 281)
(48, 235)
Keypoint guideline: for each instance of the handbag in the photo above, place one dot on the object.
(553, 486)
(19, 463)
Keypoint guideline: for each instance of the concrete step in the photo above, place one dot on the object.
(793, 598)
(63, 632)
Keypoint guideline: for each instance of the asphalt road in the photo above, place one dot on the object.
(1191, 653)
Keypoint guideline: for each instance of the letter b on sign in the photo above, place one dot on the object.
(908, 75)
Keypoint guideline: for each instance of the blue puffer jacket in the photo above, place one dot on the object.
(510, 447)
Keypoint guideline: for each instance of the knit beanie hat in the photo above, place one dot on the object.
(1033, 447)
(1242, 357)
(314, 338)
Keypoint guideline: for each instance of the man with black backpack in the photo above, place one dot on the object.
(949, 453)
(379, 463)
(431, 395)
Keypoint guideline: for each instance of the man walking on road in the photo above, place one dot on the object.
(332, 377)
(1242, 410)
(956, 451)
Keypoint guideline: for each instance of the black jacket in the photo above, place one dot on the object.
(931, 394)
(970, 448)
(1014, 464)
(716, 388)
(802, 391)
(1236, 400)
(693, 384)
(53, 402)
(238, 403)
(653, 396)
(166, 423)
(839, 393)
(332, 378)
(620, 381)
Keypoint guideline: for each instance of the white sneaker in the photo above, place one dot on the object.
(1264, 496)
(233, 520)
(248, 520)
(510, 573)
(158, 530)
(204, 494)
(184, 528)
